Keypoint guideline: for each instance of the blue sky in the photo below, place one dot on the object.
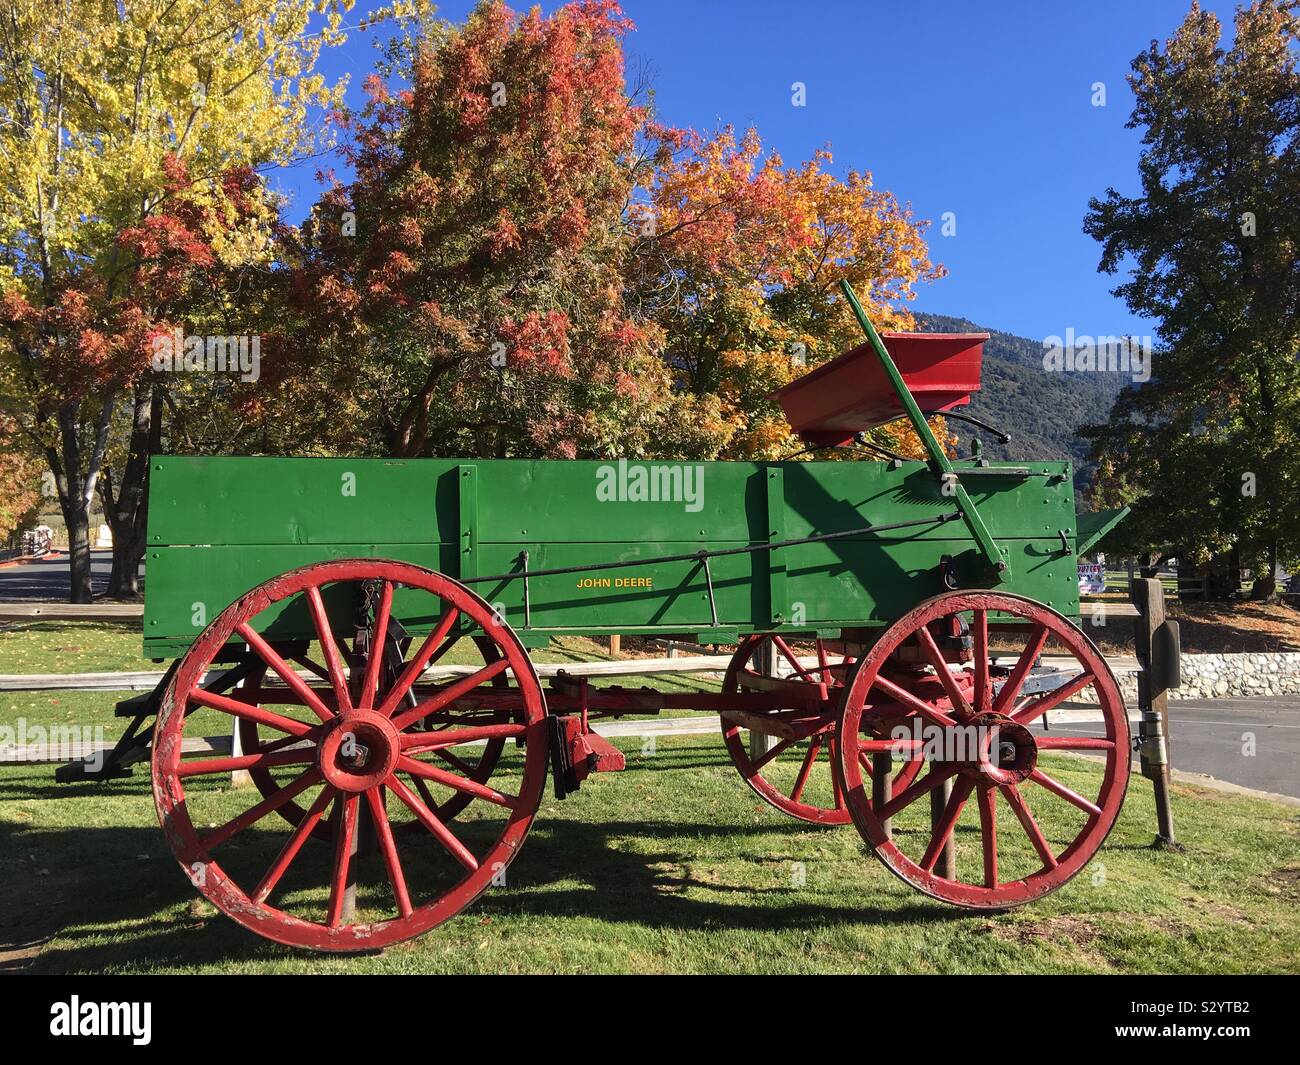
(981, 109)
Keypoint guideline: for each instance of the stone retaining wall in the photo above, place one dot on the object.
(1230, 676)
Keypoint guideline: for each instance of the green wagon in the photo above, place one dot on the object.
(366, 623)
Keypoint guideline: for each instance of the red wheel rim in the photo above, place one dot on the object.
(798, 777)
(1021, 854)
(356, 760)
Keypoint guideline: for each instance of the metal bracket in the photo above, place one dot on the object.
(708, 580)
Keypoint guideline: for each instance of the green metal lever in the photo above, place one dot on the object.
(987, 545)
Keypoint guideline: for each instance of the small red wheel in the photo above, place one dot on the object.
(978, 742)
(797, 774)
(352, 747)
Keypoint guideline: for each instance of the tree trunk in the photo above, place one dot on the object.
(77, 518)
(76, 487)
(1265, 587)
(126, 514)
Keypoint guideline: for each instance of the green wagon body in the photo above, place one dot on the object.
(287, 594)
(220, 526)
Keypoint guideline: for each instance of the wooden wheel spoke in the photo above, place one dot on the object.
(417, 665)
(1011, 688)
(902, 695)
(867, 763)
(453, 761)
(1057, 788)
(1021, 809)
(778, 748)
(292, 846)
(940, 667)
(987, 798)
(284, 670)
(936, 776)
(833, 747)
(943, 830)
(823, 663)
(430, 821)
(254, 814)
(378, 637)
(791, 657)
(451, 780)
(261, 760)
(450, 693)
(814, 749)
(425, 793)
(1036, 709)
(345, 828)
(329, 647)
(250, 712)
(388, 848)
(413, 742)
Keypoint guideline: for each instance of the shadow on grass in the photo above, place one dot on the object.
(113, 895)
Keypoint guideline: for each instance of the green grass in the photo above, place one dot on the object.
(71, 647)
(673, 866)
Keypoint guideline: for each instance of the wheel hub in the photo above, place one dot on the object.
(1008, 751)
(360, 751)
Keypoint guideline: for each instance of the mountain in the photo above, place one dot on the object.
(1041, 410)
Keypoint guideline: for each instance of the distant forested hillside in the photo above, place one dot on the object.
(1040, 410)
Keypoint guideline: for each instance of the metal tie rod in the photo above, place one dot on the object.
(698, 556)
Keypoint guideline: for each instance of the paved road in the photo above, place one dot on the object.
(1213, 736)
(48, 578)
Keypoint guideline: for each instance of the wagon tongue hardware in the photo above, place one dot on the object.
(576, 750)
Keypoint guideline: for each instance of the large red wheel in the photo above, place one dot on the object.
(348, 755)
(797, 774)
(476, 764)
(1037, 815)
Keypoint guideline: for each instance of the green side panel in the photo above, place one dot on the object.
(1096, 524)
(218, 527)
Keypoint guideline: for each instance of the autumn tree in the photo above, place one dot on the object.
(1206, 452)
(463, 294)
(739, 264)
(20, 478)
(102, 106)
(528, 263)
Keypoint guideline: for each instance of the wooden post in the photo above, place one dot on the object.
(882, 778)
(759, 742)
(239, 778)
(946, 866)
(1153, 701)
(615, 646)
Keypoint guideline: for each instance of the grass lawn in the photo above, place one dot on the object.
(673, 866)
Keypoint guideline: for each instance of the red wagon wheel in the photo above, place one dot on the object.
(1043, 831)
(348, 761)
(477, 764)
(796, 775)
